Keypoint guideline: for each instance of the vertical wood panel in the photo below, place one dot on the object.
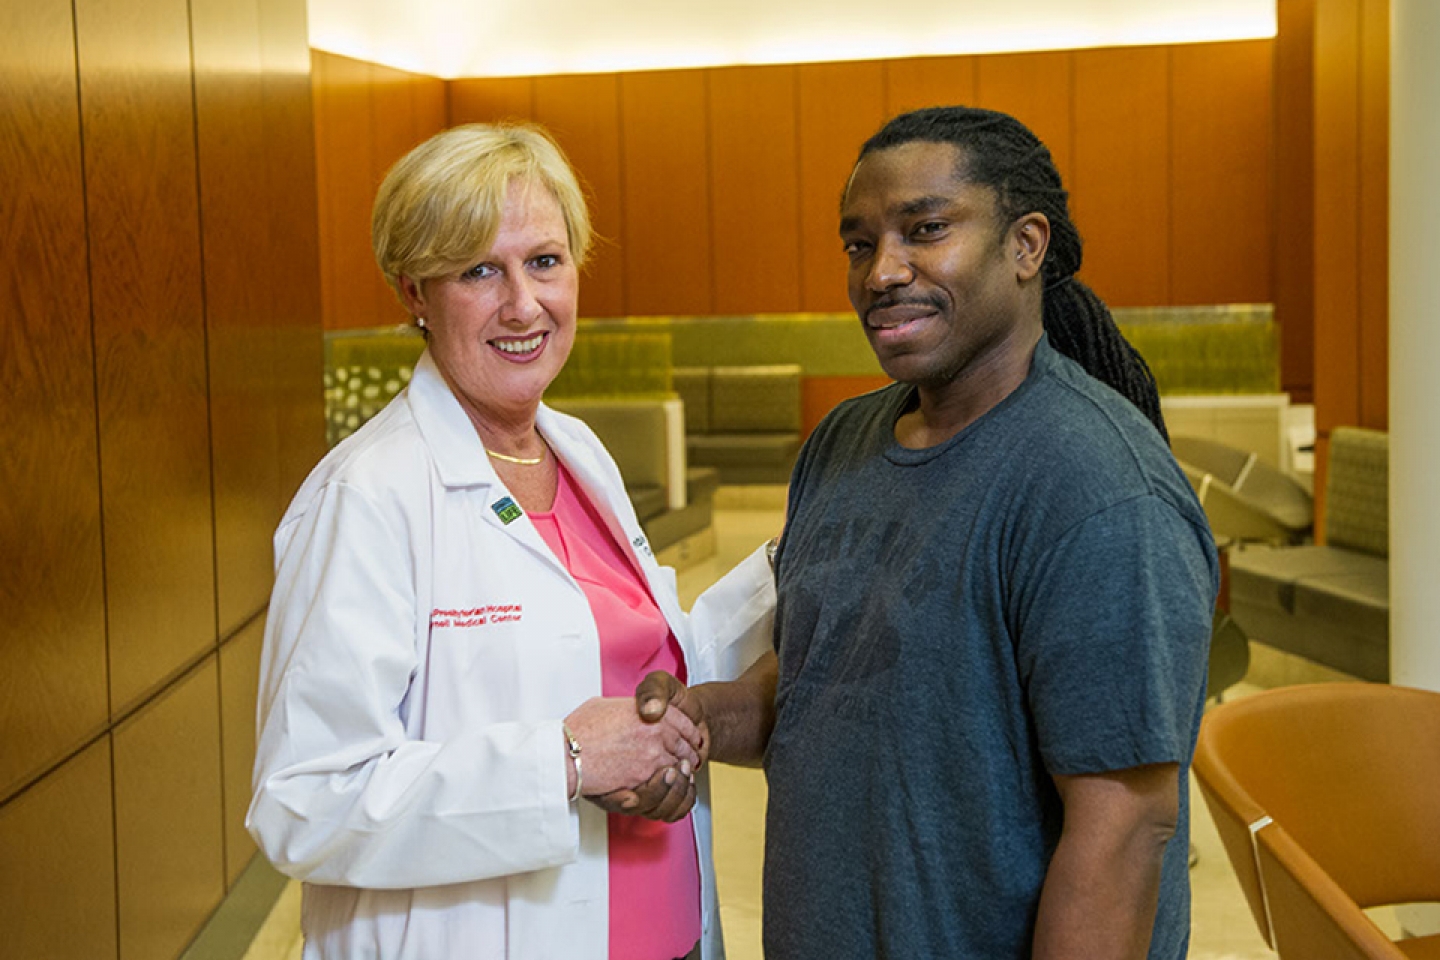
(490, 99)
(432, 106)
(1374, 199)
(57, 891)
(239, 686)
(245, 452)
(1120, 188)
(392, 109)
(754, 189)
(583, 114)
(167, 818)
(149, 333)
(396, 130)
(367, 116)
(928, 82)
(1036, 89)
(1294, 194)
(325, 161)
(52, 637)
(841, 105)
(1221, 134)
(293, 247)
(667, 206)
(1337, 213)
(345, 141)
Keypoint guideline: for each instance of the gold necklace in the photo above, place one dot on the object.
(523, 461)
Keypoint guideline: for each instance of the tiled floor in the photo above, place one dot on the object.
(1223, 928)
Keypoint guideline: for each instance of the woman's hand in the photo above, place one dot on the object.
(669, 794)
(619, 750)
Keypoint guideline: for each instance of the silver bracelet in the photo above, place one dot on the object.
(572, 747)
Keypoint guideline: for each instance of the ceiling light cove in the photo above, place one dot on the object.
(496, 38)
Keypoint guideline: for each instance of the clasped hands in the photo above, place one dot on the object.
(640, 756)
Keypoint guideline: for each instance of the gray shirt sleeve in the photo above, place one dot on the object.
(1112, 638)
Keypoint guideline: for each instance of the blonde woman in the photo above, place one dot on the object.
(464, 605)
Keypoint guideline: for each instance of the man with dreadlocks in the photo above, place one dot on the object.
(995, 590)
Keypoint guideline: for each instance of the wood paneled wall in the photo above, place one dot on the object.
(715, 191)
(161, 355)
(366, 117)
(1294, 196)
(1349, 163)
(729, 178)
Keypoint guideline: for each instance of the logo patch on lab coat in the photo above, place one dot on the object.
(507, 510)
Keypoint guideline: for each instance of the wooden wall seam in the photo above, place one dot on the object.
(798, 168)
(623, 224)
(94, 374)
(709, 186)
(205, 332)
(92, 737)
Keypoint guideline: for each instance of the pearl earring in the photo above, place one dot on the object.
(420, 322)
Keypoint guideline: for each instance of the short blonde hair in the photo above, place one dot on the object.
(439, 207)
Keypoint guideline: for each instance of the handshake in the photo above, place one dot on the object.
(640, 756)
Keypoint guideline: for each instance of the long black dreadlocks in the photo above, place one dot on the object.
(1000, 152)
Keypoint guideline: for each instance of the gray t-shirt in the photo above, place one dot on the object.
(956, 624)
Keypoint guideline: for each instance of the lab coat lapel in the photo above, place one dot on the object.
(460, 458)
(583, 460)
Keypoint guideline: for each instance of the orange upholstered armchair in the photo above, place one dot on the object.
(1327, 799)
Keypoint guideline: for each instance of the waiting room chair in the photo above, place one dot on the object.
(1327, 799)
(1244, 498)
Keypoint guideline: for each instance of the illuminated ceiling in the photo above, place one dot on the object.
(480, 38)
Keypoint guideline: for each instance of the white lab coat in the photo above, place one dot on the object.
(419, 656)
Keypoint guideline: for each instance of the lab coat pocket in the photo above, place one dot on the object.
(555, 675)
(475, 667)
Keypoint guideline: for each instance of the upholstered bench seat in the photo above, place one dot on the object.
(1357, 602)
(1330, 603)
(1267, 576)
(744, 421)
(747, 458)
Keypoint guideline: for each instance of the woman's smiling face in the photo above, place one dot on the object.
(501, 329)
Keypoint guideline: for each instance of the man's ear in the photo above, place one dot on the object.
(1029, 239)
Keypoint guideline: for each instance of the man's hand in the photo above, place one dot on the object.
(667, 796)
(660, 691)
(732, 720)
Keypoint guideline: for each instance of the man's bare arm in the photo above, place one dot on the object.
(1101, 890)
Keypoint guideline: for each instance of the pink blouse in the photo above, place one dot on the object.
(654, 869)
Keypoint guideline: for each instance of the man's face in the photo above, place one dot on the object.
(935, 278)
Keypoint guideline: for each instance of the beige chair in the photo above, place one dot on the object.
(1244, 498)
(1327, 799)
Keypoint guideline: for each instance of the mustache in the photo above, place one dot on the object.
(886, 301)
